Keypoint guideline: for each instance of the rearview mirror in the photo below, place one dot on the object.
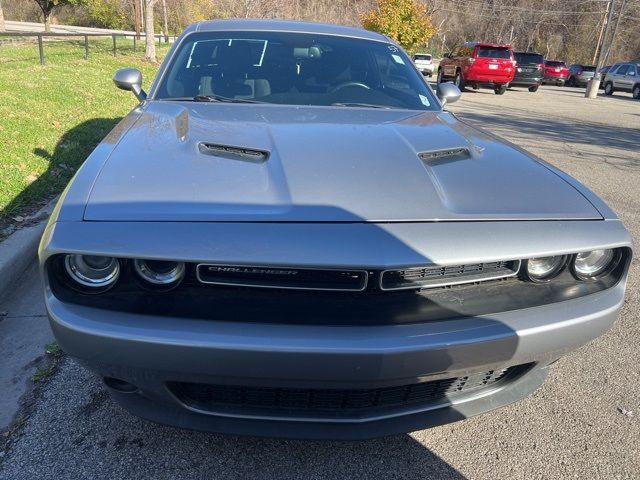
(130, 79)
(448, 93)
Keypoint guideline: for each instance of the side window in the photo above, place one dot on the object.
(633, 71)
(622, 69)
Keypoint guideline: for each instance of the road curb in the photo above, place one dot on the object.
(20, 248)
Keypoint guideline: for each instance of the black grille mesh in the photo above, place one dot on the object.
(425, 277)
(282, 401)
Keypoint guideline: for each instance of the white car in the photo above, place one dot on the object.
(424, 63)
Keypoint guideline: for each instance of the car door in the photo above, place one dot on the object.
(619, 77)
(630, 78)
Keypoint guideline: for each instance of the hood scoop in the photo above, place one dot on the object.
(448, 154)
(233, 153)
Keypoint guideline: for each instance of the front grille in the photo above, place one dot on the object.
(287, 278)
(439, 276)
(334, 403)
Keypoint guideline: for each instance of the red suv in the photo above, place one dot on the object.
(555, 72)
(479, 65)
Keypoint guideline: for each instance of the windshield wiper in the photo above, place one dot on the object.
(356, 104)
(211, 98)
(220, 98)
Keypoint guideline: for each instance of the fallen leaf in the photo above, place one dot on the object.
(625, 412)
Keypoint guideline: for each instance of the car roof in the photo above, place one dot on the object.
(490, 45)
(288, 26)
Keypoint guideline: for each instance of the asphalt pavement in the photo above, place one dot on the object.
(573, 427)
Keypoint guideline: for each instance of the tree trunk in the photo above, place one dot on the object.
(47, 22)
(150, 51)
(166, 21)
(2, 27)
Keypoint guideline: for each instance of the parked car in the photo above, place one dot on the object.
(479, 65)
(289, 236)
(623, 77)
(579, 75)
(424, 63)
(529, 70)
(555, 72)
(603, 73)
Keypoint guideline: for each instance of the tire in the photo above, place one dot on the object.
(499, 90)
(571, 82)
(636, 91)
(608, 88)
(458, 81)
(534, 88)
(439, 77)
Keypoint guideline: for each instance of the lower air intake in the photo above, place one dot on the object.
(334, 403)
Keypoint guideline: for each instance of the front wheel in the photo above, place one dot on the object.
(499, 90)
(608, 88)
(534, 88)
(636, 92)
(571, 82)
(439, 76)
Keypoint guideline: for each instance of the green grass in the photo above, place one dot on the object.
(52, 116)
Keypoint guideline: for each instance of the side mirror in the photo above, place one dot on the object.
(448, 93)
(130, 79)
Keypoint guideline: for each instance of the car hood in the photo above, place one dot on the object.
(185, 161)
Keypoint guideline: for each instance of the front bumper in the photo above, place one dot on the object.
(149, 352)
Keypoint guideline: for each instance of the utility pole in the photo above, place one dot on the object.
(604, 22)
(137, 18)
(615, 31)
(594, 84)
(612, 5)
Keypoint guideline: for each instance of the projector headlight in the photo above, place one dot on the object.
(594, 264)
(159, 272)
(545, 268)
(92, 271)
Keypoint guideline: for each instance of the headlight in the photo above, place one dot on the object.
(92, 271)
(545, 268)
(159, 272)
(590, 265)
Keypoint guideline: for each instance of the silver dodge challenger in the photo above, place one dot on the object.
(290, 236)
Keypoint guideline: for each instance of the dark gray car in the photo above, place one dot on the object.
(289, 236)
(529, 70)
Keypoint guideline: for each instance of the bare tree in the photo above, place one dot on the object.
(2, 27)
(150, 50)
(165, 21)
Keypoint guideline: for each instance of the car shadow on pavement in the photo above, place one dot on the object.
(82, 433)
(585, 133)
(70, 152)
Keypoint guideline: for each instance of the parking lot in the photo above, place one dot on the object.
(574, 426)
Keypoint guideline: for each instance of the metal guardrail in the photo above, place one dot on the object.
(114, 36)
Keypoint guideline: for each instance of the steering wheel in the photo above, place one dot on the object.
(350, 84)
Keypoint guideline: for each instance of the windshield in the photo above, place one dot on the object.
(552, 63)
(587, 68)
(421, 57)
(294, 69)
(494, 52)
(529, 58)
